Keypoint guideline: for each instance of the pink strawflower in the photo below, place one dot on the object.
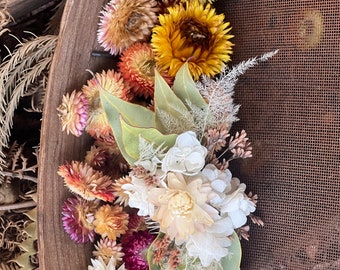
(77, 217)
(73, 112)
(135, 247)
(112, 82)
(106, 249)
(87, 182)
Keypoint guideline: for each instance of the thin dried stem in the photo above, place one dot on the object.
(19, 205)
(21, 176)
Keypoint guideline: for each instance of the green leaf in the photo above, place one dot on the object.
(132, 113)
(115, 108)
(233, 259)
(167, 101)
(130, 139)
(184, 87)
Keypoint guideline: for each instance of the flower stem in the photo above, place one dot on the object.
(21, 176)
(18, 205)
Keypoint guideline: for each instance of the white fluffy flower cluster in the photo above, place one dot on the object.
(195, 203)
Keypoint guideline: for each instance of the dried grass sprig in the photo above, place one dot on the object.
(26, 64)
(5, 17)
(219, 94)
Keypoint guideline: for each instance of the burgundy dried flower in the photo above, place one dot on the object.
(135, 247)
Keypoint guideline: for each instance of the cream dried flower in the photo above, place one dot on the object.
(124, 22)
(106, 249)
(182, 208)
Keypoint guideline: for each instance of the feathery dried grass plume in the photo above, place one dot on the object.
(5, 16)
(24, 67)
(219, 93)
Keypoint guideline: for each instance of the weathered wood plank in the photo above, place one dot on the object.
(77, 39)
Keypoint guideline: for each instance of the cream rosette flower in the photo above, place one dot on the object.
(182, 208)
(220, 182)
(215, 237)
(138, 196)
(237, 204)
(187, 156)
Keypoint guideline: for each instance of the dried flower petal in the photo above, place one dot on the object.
(83, 180)
(111, 221)
(137, 66)
(135, 247)
(77, 216)
(111, 81)
(124, 22)
(194, 33)
(106, 248)
(73, 113)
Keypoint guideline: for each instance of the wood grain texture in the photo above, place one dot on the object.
(19, 8)
(72, 57)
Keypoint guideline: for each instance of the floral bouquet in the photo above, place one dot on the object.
(154, 191)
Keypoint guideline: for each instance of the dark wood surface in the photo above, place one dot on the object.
(77, 39)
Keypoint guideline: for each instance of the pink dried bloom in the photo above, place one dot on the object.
(124, 22)
(239, 145)
(83, 180)
(77, 216)
(73, 112)
(111, 81)
(107, 248)
(216, 138)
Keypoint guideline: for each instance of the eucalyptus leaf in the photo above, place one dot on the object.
(233, 259)
(132, 113)
(184, 87)
(115, 108)
(130, 139)
(166, 101)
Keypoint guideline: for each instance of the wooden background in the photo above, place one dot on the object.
(72, 57)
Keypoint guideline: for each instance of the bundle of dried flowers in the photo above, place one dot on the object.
(170, 193)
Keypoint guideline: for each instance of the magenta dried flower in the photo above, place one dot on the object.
(77, 217)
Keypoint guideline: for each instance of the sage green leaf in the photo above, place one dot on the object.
(184, 87)
(233, 259)
(130, 139)
(133, 114)
(166, 102)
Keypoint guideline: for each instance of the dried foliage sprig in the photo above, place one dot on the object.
(5, 16)
(26, 64)
(219, 94)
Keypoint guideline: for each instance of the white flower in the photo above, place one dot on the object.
(138, 196)
(99, 264)
(219, 181)
(181, 208)
(237, 204)
(149, 165)
(187, 156)
(215, 238)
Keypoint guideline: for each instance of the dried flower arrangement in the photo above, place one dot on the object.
(23, 71)
(155, 189)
